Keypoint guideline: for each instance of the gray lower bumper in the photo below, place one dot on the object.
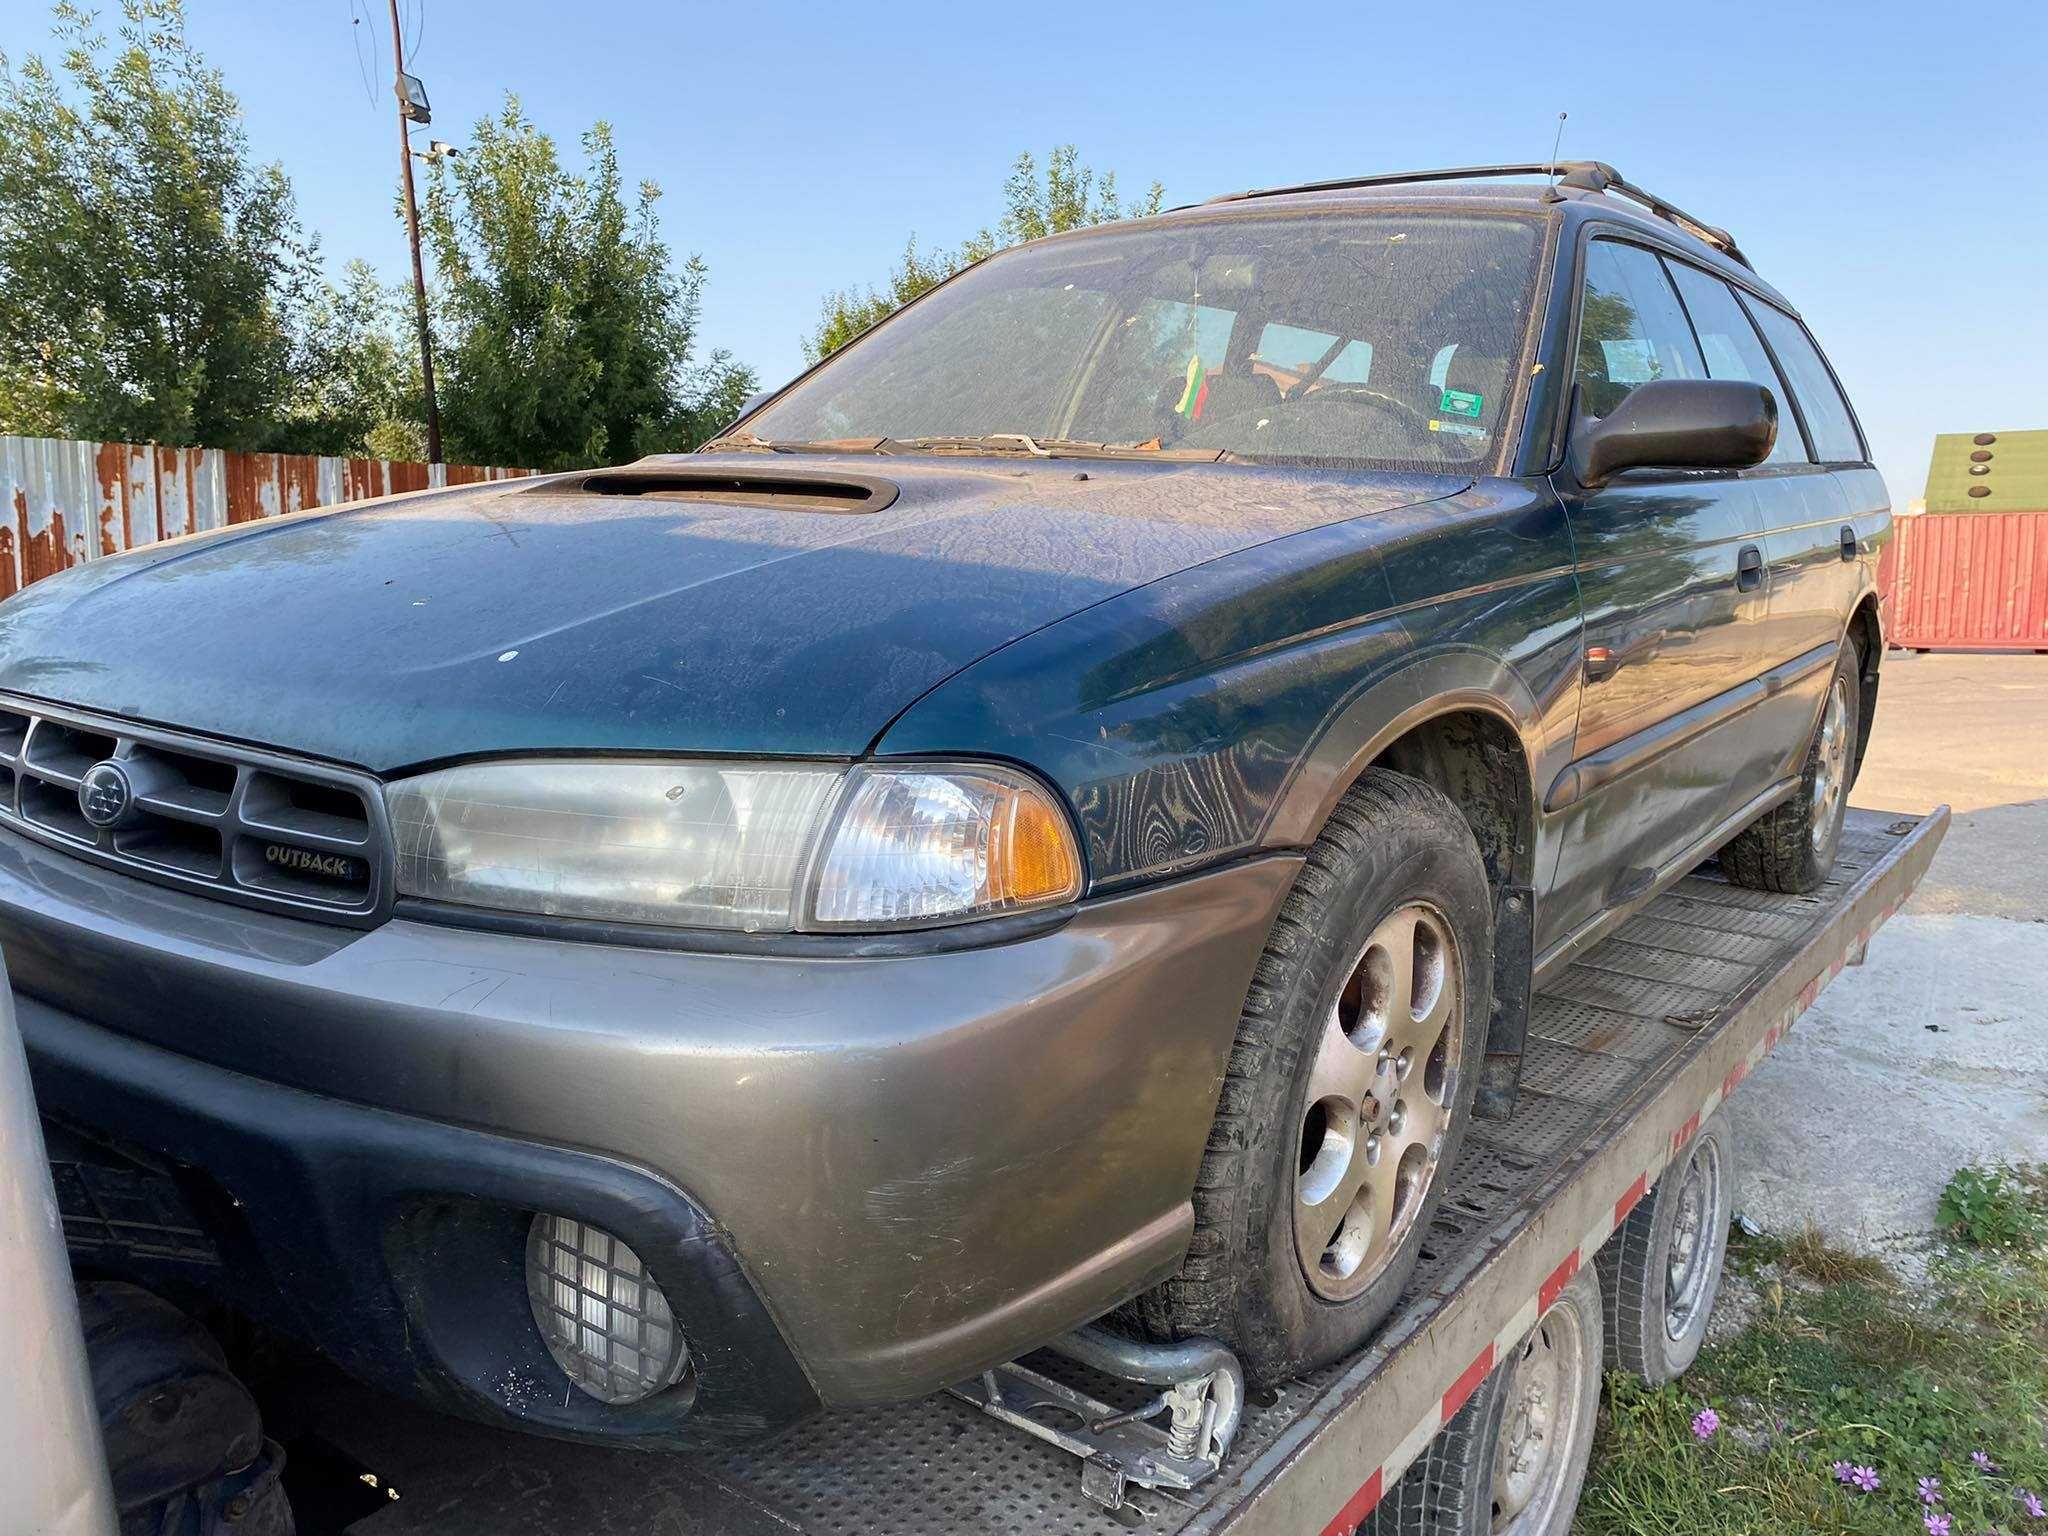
(925, 1164)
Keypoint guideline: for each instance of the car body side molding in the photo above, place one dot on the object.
(1599, 769)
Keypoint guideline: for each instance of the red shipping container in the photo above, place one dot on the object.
(1967, 581)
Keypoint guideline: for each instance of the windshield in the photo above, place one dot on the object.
(1381, 338)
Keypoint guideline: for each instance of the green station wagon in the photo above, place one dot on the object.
(1058, 814)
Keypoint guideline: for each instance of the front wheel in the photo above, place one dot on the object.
(1791, 847)
(1348, 1088)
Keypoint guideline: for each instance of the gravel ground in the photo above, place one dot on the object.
(1935, 1052)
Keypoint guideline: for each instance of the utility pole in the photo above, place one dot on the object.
(406, 113)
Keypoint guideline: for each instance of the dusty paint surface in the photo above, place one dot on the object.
(63, 502)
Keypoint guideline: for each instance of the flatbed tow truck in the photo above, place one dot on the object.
(1632, 1049)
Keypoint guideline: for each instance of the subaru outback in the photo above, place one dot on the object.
(1058, 812)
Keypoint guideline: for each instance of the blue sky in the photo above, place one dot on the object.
(1884, 164)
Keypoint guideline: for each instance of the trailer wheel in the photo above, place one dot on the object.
(1662, 1267)
(1514, 1459)
(1791, 847)
(1348, 1089)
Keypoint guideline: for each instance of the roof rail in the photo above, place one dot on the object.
(1580, 175)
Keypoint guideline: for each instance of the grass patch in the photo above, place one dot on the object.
(1845, 1367)
(1813, 1256)
(1999, 1206)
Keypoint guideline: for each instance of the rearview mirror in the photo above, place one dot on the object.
(1677, 424)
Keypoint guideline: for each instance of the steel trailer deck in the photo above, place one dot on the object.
(1630, 1048)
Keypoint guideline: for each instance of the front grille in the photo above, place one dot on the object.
(236, 823)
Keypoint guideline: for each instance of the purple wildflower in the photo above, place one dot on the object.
(1864, 1478)
(1984, 1462)
(2031, 1503)
(1841, 1470)
(1930, 1490)
(1936, 1523)
(1705, 1422)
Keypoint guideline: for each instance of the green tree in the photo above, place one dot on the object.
(1068, 196)
(565, 327)
(356, 387)
(147, 265)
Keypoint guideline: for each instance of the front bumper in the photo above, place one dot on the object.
(908, 1167)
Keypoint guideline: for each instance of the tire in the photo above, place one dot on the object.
(1396, 871)
(1661, 1270)
(1791, 848)
(1461, 1484)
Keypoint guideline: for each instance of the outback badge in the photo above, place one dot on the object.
(303, 861)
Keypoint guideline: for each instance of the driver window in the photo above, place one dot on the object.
(1631, 327)
(1297, 358)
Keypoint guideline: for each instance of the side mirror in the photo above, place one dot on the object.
(1677, 424)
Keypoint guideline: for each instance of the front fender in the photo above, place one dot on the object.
(1420, 686)
(1219, 712)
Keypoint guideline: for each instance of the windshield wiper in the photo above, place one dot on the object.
(740, 442)
(1047, 447)
(744, 441)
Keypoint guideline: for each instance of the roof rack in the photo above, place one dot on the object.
(1581, 175)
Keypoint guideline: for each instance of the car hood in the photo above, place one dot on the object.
(537, 616)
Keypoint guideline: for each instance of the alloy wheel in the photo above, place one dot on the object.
(1380, 1093)
(1831, 772)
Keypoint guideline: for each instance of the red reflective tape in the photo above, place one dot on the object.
(1357, 1507)
(1629, 1197)
(1734, 1078)
(1560, 1277)
(1463, 1388)
(1684, 1134)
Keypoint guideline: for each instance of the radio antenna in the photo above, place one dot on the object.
(1550, 170)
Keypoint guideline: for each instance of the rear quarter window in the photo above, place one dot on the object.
(1828, 422)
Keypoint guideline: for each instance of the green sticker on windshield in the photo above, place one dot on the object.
(1456, 402)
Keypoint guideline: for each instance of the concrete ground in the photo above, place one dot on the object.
(1935, 1052)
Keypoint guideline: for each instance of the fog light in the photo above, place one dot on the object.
(603, 1317)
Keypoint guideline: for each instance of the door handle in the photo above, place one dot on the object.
(1849, 550)
(1749, 568)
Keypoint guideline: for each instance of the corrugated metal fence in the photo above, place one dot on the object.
(1968, 581)
(62, 502)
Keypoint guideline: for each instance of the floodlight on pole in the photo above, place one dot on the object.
(413, 108)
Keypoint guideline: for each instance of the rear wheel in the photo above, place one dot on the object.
(1348, 1087)
(1514, 1459)
(1791, 848)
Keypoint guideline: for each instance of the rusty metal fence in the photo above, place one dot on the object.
(63, 502)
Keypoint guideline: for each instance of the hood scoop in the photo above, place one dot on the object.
(793, 490)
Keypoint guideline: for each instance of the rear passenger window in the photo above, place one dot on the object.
(1734, 352)
(1631, 329)
(1828, 421)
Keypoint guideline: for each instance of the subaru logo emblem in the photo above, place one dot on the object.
(104, 794)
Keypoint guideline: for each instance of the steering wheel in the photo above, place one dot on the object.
(1379, 398)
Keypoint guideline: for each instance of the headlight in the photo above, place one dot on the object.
(756, 847)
